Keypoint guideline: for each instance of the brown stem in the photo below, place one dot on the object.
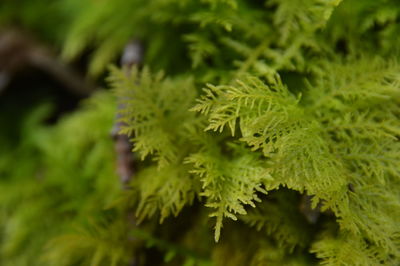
(18, 51)
(131, 56)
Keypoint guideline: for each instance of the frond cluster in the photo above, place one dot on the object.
(281, 38)
(157, 127)
(336, 142)
(161, 125)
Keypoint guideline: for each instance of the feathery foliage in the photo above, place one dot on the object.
(43, 194)
(277, 119)
(334, 143)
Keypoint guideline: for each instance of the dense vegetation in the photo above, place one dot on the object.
(263, 133)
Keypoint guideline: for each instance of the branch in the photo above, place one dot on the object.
(19, 51)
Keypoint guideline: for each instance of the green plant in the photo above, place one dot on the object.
(277, 119)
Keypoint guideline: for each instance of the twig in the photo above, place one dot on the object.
(19, 51)
(132, 55)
